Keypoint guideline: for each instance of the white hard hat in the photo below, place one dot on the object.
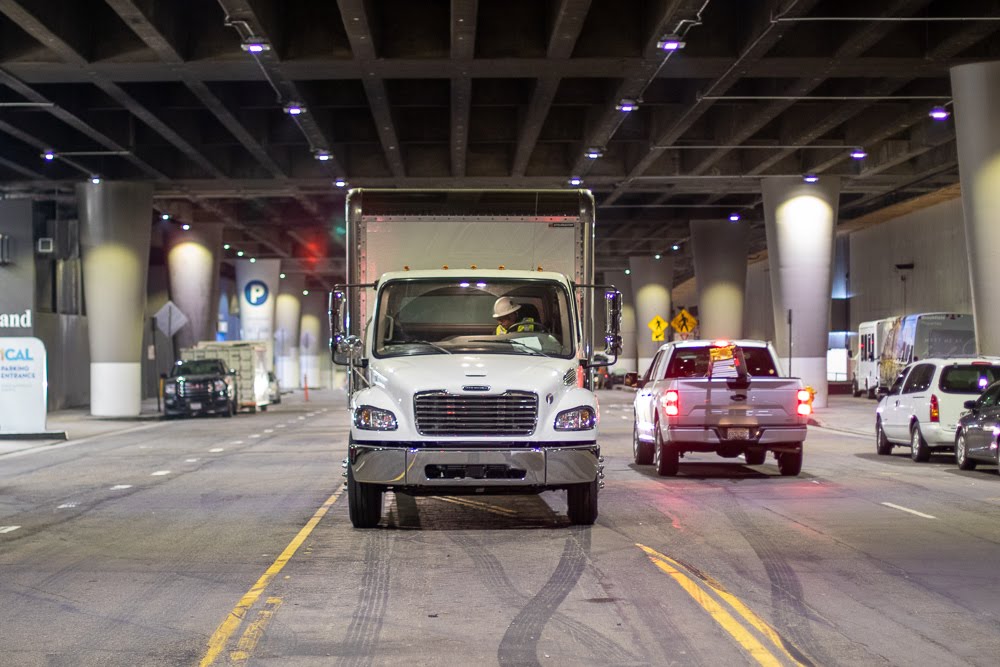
(504, 306)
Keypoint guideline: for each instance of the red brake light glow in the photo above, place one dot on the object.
(671, 401)
(805, 407)
(804, 396)
(720, 343)
(935, 409)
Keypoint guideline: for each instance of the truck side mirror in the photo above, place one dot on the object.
(338, 313)
(613, 310)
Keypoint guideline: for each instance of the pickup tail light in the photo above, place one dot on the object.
(671, 403)
(804, 398)
(935, 409)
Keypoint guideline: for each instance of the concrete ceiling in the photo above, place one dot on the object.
(482, 93)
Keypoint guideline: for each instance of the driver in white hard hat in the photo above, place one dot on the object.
(505, 312)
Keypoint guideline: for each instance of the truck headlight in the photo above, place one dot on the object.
(220, 386)
(578, 419)
(374, 419)
(170, 389)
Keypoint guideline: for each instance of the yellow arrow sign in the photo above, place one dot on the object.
(684, 322)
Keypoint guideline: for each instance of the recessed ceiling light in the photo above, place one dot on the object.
(734, 217)
(254, 44)
(253, 260)
(656, 256)
(305, 292)
(593, 153)
(810, 178)
(340, 183)
(627, 105)
(670, 43)
(939, 113)
(185, 226)
(95, 179)
(239, 253)
(322, 155)
(575, 180)
(164, 216)
(858, 153)
(226, 246)
(49, 155)
(675, 247)
(295, 109)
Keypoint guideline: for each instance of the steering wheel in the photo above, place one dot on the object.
(535, 326)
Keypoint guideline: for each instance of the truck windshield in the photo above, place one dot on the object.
(200, 367)
(417, 317)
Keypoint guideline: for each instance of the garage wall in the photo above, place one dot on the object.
(933, 239)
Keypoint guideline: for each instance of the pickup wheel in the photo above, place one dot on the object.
(882, 445)
(962, 454)
(790, 463)
(666, 458)
(756, 457)
(364, 502)
(918, 446)
(642, 452)
(581, 500)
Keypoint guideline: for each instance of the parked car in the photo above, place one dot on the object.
(202, 386)
(922, 408)
(273, 388)
(977, 438)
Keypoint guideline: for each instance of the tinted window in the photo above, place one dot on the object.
(200, 367)
(693, 362)
(989, 399)
(968, 378)
(652, 365)
(897, 386)
(919, 379)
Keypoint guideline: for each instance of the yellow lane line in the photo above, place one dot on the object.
(486, 507)
(232, 623)
(254, 632)
(757, 650)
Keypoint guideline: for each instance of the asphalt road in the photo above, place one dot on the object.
(214, 541)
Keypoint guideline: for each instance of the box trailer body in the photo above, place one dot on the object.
(248, 359)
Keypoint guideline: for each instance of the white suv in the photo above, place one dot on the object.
(921, 409)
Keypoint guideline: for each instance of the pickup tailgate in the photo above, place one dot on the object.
(767, 401)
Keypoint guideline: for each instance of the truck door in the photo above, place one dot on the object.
(645, 398)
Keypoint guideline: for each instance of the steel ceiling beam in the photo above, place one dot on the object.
(463, 49)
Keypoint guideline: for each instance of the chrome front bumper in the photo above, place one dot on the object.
(535, 467)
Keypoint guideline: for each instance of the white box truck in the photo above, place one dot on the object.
(467, 327)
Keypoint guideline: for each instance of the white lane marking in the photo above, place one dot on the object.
(190, 460)
(143, 446)
(268, 430)
(907, 509)
(236, 442)
(8, 529)
(216, 450)
(160, 473)
(255, 435)
(121, 487)
(66, 506)
(281, 426)
(301, 418)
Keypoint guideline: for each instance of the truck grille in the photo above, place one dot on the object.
(510, 413)
(195, 390)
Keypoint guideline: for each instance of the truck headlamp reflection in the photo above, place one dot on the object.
(374, 419)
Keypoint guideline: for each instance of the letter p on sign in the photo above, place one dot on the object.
(256, 292)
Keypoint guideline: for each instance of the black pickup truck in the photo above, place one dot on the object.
(203, 386)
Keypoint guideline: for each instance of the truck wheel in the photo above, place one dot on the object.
(918, 446)
(755, 457)
(666, 458)
(642, 452)
(364, 502)
(581, 500)
(855, 389)
(228, 412)
(790, 463)
(962, 454)
(882, 445)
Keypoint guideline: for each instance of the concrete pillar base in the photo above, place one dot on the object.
(115, 389)
(812, 370)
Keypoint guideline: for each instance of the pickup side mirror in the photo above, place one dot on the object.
(969, 405)
(613, 310)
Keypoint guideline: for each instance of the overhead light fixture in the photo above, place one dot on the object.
(939, 113)
(593, 153)
(226, 246)
(253, 260)
(305, 292)
(295, 109)
(185, 226)
(656, 256)
(49, 155)
(322, 155)
(810, 178)
(575, 180)
(675, 247)
(239, 253)
(95, 179)
(253, 44)
(340, 183)
(858, 153)
(670, 43)
(734, 217)
(281, 275)
(164, 216)
(627, 105)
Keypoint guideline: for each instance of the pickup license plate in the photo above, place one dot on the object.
(738, 433)
(197, 406)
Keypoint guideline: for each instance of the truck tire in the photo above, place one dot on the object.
(756, 457)
(581, 500)
(882, 445)
(364, 502)
(962, 454)
(856, 391)
(790, 463)
(919, 451)
(666, 458)
(642, 452)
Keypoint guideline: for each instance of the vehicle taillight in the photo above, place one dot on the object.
(935, 409)
(805, 407)
(671, 403)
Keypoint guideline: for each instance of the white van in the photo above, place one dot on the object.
(871, 336)
(924, 335)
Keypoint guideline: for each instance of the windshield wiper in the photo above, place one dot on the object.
(424, 342)
(507, 341)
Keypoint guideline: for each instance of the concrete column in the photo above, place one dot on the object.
(116, 219)
(288, 316)
(314, 353)
(800, 219)
(720, 266)
(652, 280)
(976, 90)
(627, 362)
(193, 258)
